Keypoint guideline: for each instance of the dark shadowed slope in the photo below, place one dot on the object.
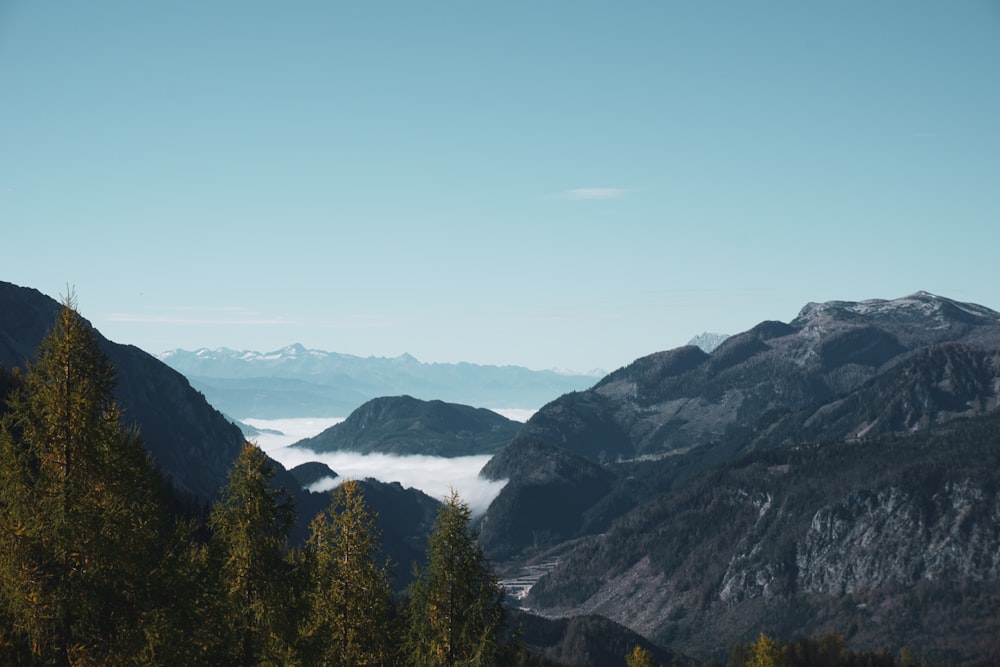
(190, 441)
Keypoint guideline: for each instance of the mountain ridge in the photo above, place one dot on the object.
(749, 489)
(296, 351)
(295, 381)
(685, 397)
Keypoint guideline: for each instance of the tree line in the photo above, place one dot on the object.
(94, 570)
(827, 650)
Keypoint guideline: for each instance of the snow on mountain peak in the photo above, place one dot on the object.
(708, 341)
(914, 307)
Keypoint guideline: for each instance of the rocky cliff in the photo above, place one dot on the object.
(875, 538)
(835, 473)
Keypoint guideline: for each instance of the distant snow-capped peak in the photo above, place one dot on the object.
(708, 341)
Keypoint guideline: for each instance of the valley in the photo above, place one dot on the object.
(838, 473)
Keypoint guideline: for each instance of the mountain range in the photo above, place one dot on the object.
(836, 473)
(299, 382)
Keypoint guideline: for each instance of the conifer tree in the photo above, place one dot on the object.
(79, 518)
(639, 657)
(765, 652)
(455, 612)
(250, 527)
(348, 591)
(185, 626)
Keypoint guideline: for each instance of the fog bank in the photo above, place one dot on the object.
(434, 475)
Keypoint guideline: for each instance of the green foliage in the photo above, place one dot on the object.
(455, 612)
(250, 527)
(79, 518)
(765, 652)
(639, 657)
(827, 650)
(93, 572)
(347, 592)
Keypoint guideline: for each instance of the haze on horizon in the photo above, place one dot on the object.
(552, 185)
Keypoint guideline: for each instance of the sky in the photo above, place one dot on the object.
(550, 184)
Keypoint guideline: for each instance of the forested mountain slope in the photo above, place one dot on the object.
(191, 442)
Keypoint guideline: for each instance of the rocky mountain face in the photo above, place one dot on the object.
(708, 341)
(837, 472)
(877, 539)
(300, 382)
(758, 387)
(687, 398)
(404, 425)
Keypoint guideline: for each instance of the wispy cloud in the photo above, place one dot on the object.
(594, 193)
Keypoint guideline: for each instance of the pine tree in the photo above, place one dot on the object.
(185, 627)
(79, 517)
(639, 657)
(348, 591)
(765, 652)
(250, 527)
(455, 611)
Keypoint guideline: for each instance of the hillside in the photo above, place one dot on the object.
(685, 398)
(837, 370)
(589, 641)
(191, 442)
(404, 425)
(694, 503)
(893, 541)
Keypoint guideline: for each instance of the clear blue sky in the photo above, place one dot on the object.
(548, 183)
